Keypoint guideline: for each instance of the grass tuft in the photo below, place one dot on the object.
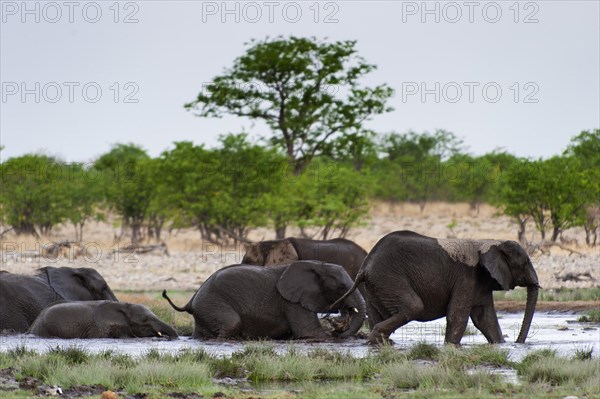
(560, 371)
(424, 351)
(583, 353)
(592, 316)
(535, 356)
(19, 351)
(71, 355)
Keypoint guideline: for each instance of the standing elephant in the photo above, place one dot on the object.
(99, 319)
(277, 252)
(23, 297)
(243, 301)
(408, 277)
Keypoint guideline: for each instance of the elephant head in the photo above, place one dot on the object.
(269, 253)
(510, 266)
(314, 285)
(137, 320)
(78, 284)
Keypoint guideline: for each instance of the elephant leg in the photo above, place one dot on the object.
(230, 327)
(457, 318)
(305, 324)
(485, 319)
(221, 322)
(374, 316)
(410, 311)
(381, 331)
(201, 332)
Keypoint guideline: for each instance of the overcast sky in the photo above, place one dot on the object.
(521, 76)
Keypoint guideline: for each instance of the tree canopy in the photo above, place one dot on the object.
(306, 90)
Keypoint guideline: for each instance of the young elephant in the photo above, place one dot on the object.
(99, 319)
(409, 277)
(243, 301)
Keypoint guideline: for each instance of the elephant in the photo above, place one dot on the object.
(23, 297)
(276, 252)
(279, 302)
(408, 276)
(99, 319)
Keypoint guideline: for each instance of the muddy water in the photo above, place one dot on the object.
(557, 331)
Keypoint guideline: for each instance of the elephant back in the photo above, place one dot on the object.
(22, 297)
(466, 251)
(338, 251)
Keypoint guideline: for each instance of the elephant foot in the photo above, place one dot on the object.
(453, 344)
(379, 340)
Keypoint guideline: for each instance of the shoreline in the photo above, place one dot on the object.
(547, 306)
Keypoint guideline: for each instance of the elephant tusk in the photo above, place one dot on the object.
(159, 334)
(355, 310)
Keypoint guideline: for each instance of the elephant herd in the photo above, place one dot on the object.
(281, 287)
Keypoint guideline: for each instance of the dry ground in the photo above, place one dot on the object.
(191, 261)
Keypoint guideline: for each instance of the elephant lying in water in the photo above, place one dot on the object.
(408, 277)
(243, 301)
(99, 319)
(23, 297)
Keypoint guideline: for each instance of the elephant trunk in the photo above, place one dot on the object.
(532, 296)
(167, 330)
(358, 310)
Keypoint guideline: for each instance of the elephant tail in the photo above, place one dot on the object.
(357, 281)
(186, 308)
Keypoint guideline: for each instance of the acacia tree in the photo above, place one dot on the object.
(223, 192)
(475, 179)
(586, 148)
(128, 184)
(83, 188)
(567, 189)
(306, 90)
(554, 193)
(412, 164)
(31, 194)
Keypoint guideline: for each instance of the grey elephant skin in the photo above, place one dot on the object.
(277, 252)
(99, 319)
(23, 297)
(280, 302)
(409, 276)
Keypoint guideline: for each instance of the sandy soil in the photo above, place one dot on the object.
(191, 261)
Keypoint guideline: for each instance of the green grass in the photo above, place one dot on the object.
(424, 351)
(579, 375)
(592, 315)
(583, 353)
(385, 372)
(489, 355)
(551, 295)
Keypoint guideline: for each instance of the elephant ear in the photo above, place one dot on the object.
(281, 252)
(112, 319)
(495, 263)
(68, 283)
(301, 283)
